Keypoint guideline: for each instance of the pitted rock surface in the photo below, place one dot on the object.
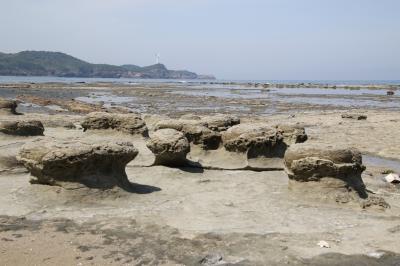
(292, 134)
(255, 139)
(220, 122)
(329, 170)
(22, 128)
(72, 164)
(128, 123)
(195, 131)
(169, 146)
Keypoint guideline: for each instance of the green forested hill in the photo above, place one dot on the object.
(40, 63)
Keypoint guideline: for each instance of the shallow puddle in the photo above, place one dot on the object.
(391, 164)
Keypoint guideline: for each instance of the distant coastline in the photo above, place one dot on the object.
(56, 64)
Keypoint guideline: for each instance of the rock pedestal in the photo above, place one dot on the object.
(307, 162)
(169, 146)
(73, 164)
(255, 140)
(326, 171)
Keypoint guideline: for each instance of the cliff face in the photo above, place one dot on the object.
(37, 63)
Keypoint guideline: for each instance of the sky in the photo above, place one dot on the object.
(232, 39)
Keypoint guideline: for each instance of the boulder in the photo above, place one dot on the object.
(69, 125)
(220, 122)
(73, 164)
(311, 162)
(329, 172)
(354, 116)
(169, 146)
(128, 123)
(8, 106)
(292, 134)
(195, 131)
(255, 139)
(22, 128)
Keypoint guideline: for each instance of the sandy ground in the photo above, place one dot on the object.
(193, 216)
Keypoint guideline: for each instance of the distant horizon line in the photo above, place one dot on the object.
(216, 80)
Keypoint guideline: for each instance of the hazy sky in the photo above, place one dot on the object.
(247, 39)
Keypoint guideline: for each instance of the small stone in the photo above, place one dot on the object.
(323, 244)
(70, 125)
(376, 254)
(354, 116)
(211, 259)
(392, 178)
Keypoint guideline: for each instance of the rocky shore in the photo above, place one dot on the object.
(128, 180)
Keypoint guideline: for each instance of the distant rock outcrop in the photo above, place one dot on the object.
(40, 63)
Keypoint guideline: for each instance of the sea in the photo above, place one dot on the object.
(34, 79)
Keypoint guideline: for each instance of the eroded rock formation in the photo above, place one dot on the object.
(73, 164)
(292, 134)
(8, 106)
(22, 128)
(195, 131)
(255, 139)
(169, 146)
(128, 123)
(330, 171)
(220, 122)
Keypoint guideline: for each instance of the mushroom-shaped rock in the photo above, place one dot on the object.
(332, 170)
(255, 139)
(329, 172)
(169, 146)
(73, 164)
(22, 128)
(292, 134)
(8, 106)
(220, 122)
(195, 131)
(128, 123)
(311, 162)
